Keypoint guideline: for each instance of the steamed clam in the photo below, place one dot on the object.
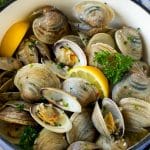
(129, 42)
(31, 78)
(67, 55)
(93, 13)
(136, 85)
(9, 63)
(51, 24)
(108, 120)
(82, 89)
(61, 99)
(48, 140)
(82, 127)
(31, 49)
(136, 113)
(16, 113)
(51, 118)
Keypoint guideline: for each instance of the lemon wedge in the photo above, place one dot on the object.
(94, 76)
(13, 37)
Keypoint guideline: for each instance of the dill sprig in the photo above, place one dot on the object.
(113, 65)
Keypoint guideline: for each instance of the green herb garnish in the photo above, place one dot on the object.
(60, 65)
(27, 138)
(2, 2)
(20, 107)
(114, 65)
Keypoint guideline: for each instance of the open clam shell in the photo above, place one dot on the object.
(61, 99)
(81, 89)
(82, 127)
(48, 140)
(93, 13)
(106, 124)
(51, 118)
(68, 54)
(129, 42)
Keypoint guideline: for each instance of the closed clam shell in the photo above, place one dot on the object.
(98, 118)
(48, 140)
(136, 85)
(101, 38)
(136, 112)
(81, 89)
(50, 117)
(80, 145)
(129, 42)
(13, 114)
(93, 13)
(51, 25)
(61, 99)
(82, 127)
(31, 78)
(11, 132)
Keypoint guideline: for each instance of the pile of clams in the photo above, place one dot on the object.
(36, 90)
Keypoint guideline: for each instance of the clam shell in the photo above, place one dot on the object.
(48, 140)
(136, 112)
(95, 48)
(64, 124)
(61, 99)
(81, 89)
(93, 13)
(50, 26)
(99, 122)
(129, 42)
(31, 78)
(80, 145)
(9, 63)
(82, 127)
(135, 85)
(11, 114)
(101, 38)
(11, 132)
(74, 47)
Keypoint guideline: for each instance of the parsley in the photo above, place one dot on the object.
(27, 138)
(60, 65)
(20, 107)
(113, 65)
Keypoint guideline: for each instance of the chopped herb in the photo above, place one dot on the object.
(60, 65)
(27, 138)
(31, 65)
(113, 65)
(84, 87)
(71, 88)
(57, 124)
(136, 107)
(65, 104)
(20, 107)
(132, 39)
(125, 42)
(2, 2)
(32, 44)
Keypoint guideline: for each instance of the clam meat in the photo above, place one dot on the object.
(51, 118)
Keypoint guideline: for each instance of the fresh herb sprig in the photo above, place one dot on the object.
(114, 65)
(20, 107)
(27, 138)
